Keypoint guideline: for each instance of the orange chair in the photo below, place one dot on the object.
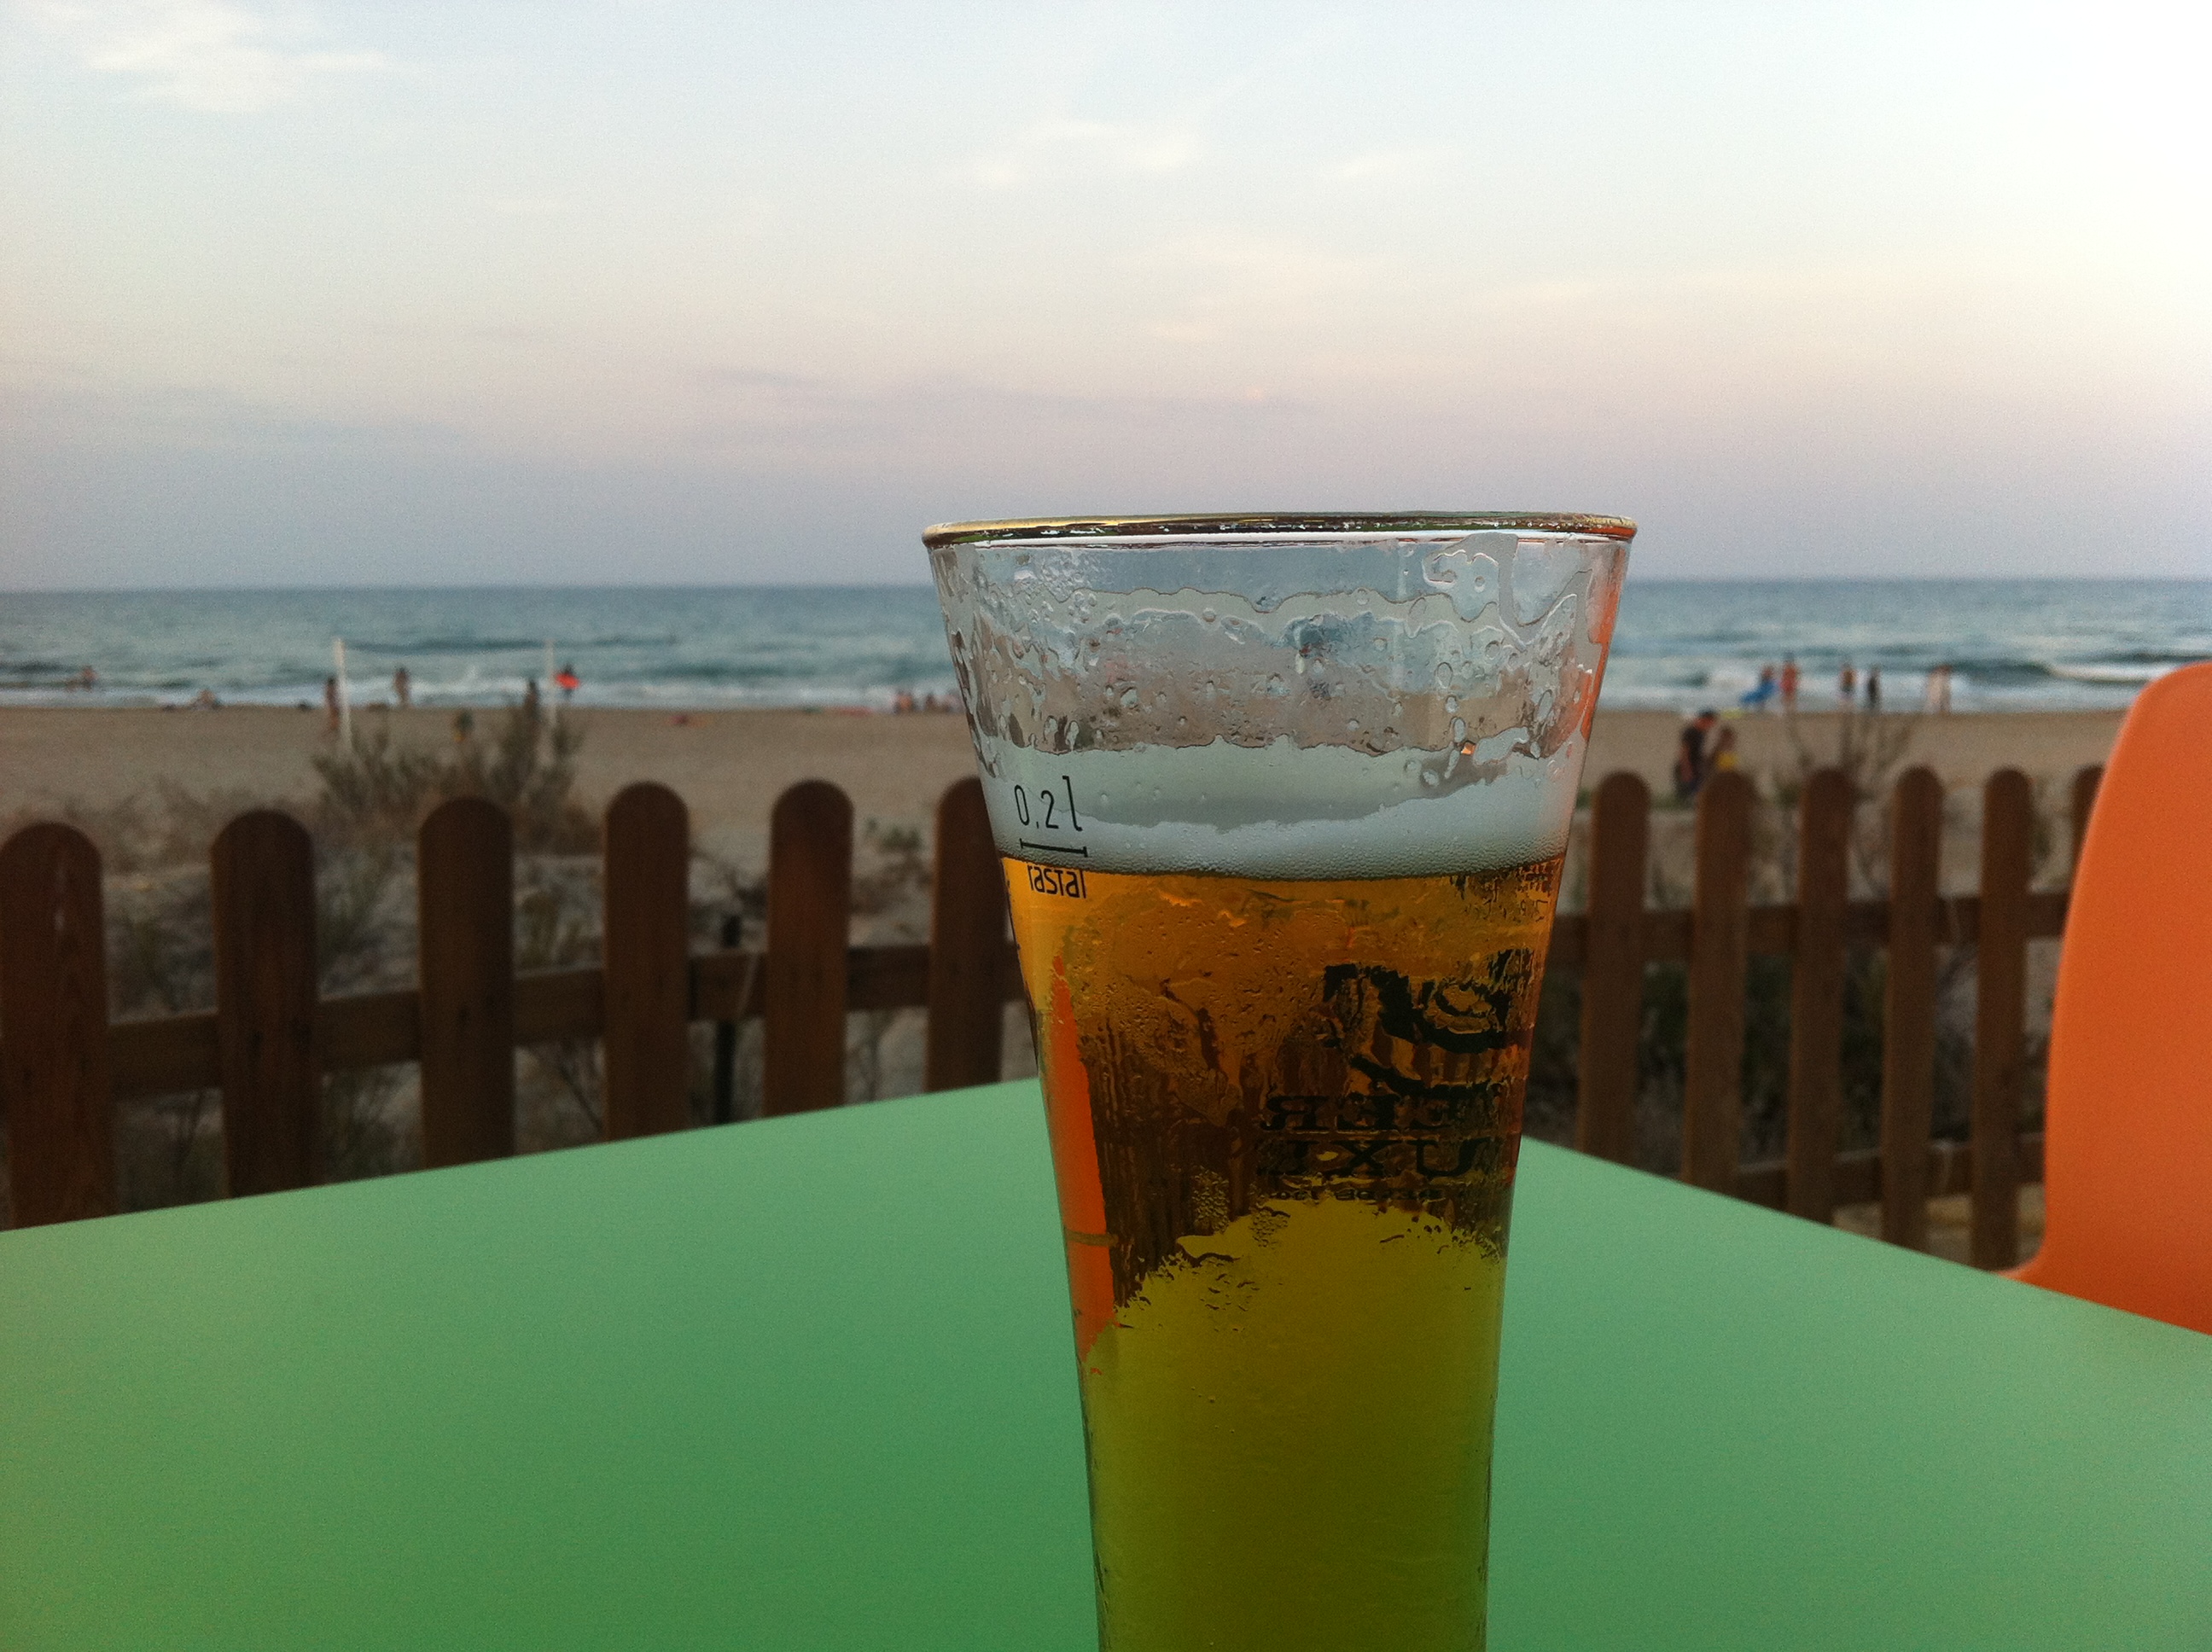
(2128, 1144)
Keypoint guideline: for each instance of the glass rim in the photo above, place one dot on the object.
(1273, 522)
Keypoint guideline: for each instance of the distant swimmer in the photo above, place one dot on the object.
(88, 679)
(1755, 699)
(402, 689)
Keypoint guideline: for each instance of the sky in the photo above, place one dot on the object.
(465, 292)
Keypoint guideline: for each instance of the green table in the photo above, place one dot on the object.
(806, 1384)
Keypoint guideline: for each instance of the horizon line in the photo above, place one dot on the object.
(891, 584)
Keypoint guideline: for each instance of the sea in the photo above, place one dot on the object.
(2012, 645)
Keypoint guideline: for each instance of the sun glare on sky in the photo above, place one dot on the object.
(303, 292)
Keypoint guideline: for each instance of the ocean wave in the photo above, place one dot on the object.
(466, 645)
(2112, 671)
(445, 645)
(2158, 657)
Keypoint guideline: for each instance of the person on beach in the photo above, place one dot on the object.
(567, 682)
(1847, 685)
(1789, 680)
(402, 689)
(1874, 688)
(1724, 759)
(331, 702)
(530, 700)
(1690, 756)
(1936, 696)
(464, 725)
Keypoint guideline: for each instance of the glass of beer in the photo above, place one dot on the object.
(1283, 802)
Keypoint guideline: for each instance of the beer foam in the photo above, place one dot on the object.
(1282, 811)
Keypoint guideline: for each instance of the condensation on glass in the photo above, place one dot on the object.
(1296, 696)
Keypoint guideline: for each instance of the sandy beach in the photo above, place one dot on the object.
(729, 765)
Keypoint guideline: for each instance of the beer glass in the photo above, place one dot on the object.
(1282, 802)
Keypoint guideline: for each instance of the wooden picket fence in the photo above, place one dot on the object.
(1615, 936)
(270, 1038)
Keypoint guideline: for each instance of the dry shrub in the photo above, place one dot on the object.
(375, 790)
(142, 833)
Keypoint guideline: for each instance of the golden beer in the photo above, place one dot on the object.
(1284, 1116)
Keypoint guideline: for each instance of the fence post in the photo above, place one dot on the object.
(645, 924)
(1605, 1077)
(53, 1012)
(262, 881)
(465, 894)
(2000, 1011)
(967, 944)
(2084, 800)
(1712, 1090)
(810, 887)
(724, 1104)
(1908, 1014)
(1816, 994)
